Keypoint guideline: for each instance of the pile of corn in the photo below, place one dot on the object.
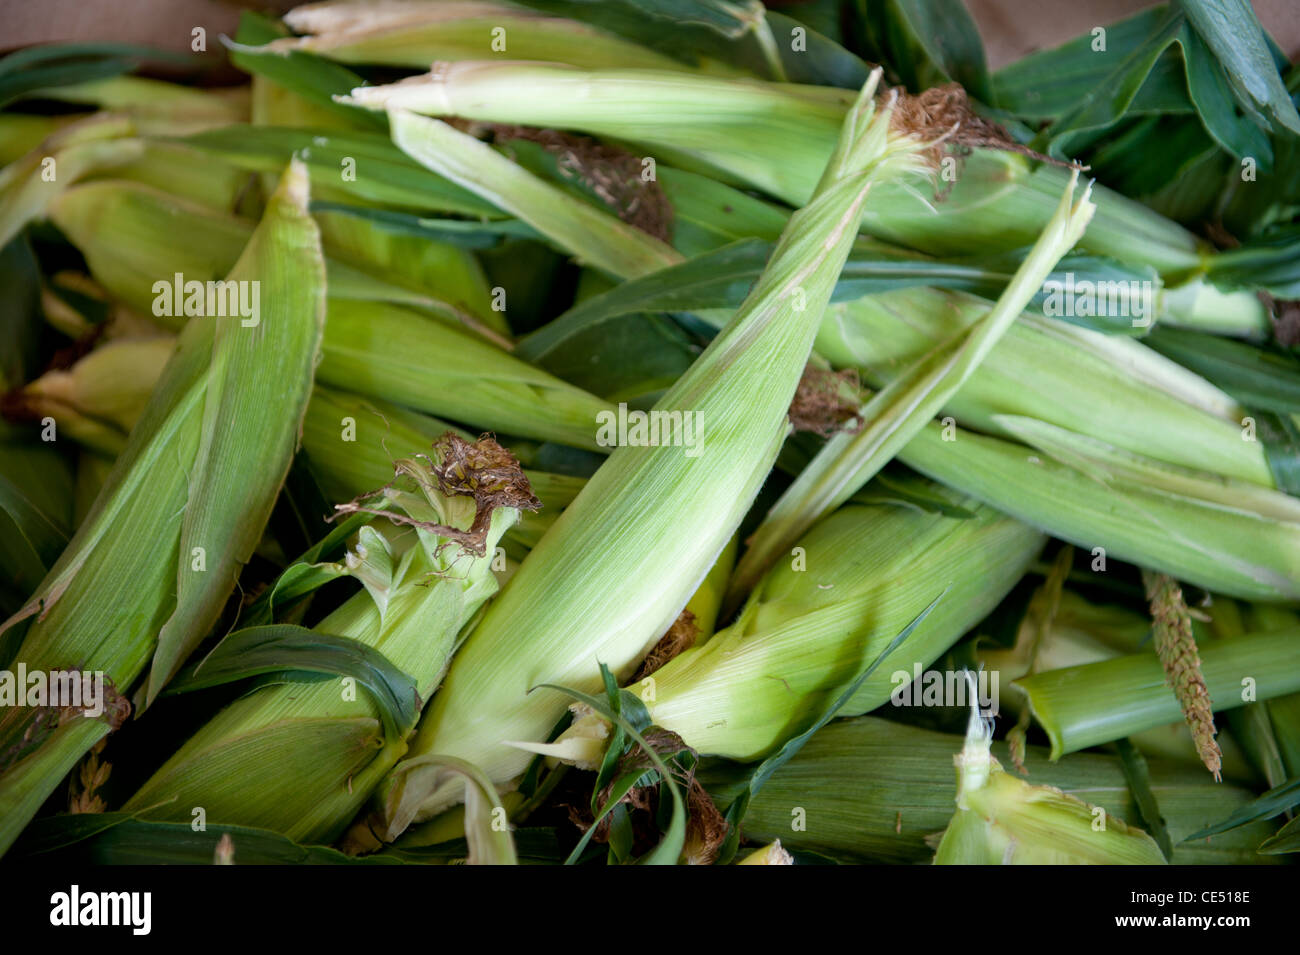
(584, 433)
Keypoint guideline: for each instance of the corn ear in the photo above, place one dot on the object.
(1003, 820)
(730, 128)
(129, 261)
(372, 347)
(148, 510)
(301, 758)
(626, 533)
(895, 414)
(99, 399)
(855, 581)
(1233, 550)
(29, 185)
(771, 854)
(349, 440)
(437, 270)
(775, 137)
(1107, 386)
(869, 790)
(415, 34)
(192, 174)
(399, 355)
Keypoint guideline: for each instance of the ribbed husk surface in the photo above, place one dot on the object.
(197, 478)
(775, 137)
(301, 758)
(373, 347)
(1245, 549)
(871, 790)
(621, 562)
(1112, 388)
(819, 618)
(1002, 819)
(417, 34)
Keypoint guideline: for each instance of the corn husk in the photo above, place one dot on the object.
(1003, 820)
(371, 346)
(1083, 706)
(651, 522)
(869, 790)
(29, 185)
(192, 174)
(155, 107)
(349, 440)
(593, 235)
(817, 619)
(415, 34)
(1247, 549)
(1080, 632)
(1105, 386)
(894, 415)
(301, 758)
(775, 137)
(183, 507)
(20, 133)
(385, 177)
(731, 129)
(98, 400)
(435, 269)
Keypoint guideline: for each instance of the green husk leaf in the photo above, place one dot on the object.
(1255, 376)
(1277, 800)
(1280, 435)
(1139, 784)
(597, 238)
(490, 842)
(1002, 819)
(1095, 703)
(946, 34)
(735, 813)
(1287, 839)
(35, 68)
(286, 260)
(20, 297)
(1230, 29)
(896, 413)
(254, 651)
(674, 837)
(312, 77)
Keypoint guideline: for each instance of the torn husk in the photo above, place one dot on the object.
(1003, 820)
